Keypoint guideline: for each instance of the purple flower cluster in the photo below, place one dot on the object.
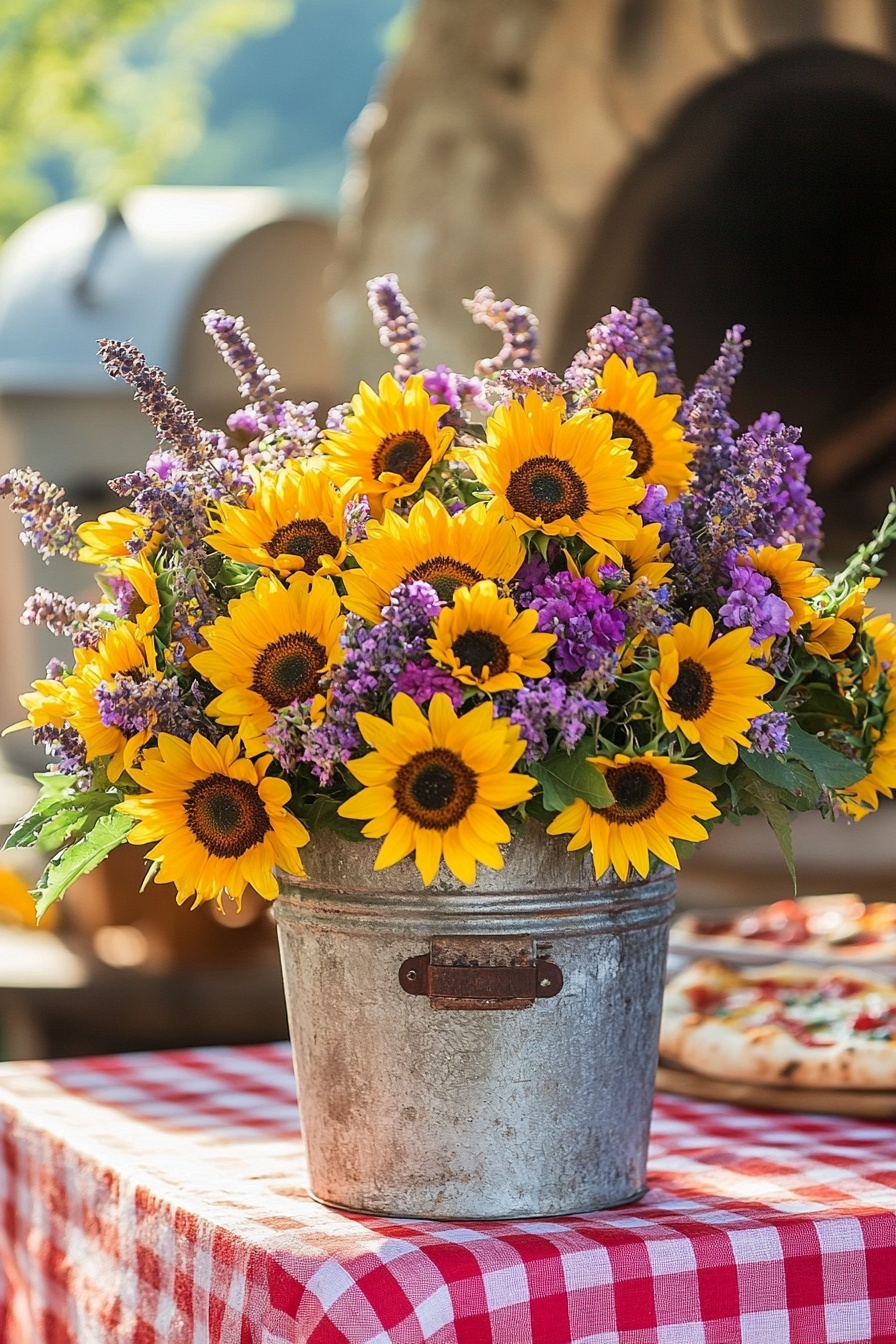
(59, 614)
(640, 335)
(257, 382)
(704, 413)
(589, 628)
(173, 420)
(511, 383)
(769, 734)
(48, 522)
(137, 706)
(397, 324)
(750, 601)
(445, 387)
(517, 325)
(391, 656)
(67, 751)
(547, 709)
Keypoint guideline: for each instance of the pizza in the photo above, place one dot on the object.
(814, 928)
(783, 1024)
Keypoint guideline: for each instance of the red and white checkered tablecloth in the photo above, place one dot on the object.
(160, 1197)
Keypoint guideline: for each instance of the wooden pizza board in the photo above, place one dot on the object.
(870, 1105)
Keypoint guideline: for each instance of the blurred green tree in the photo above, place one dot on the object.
(98, 96)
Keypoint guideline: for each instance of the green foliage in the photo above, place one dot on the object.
(564, 778)
(62, 812)
(322, 813)
(108, 91)
(80, 857)
(830, 768)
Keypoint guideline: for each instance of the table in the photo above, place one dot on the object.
(160, 1197)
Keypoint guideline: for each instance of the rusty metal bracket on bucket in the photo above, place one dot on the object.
(481, 973)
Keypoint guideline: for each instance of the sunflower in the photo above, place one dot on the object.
(648, 422)
(654, 803)
(48, 702)
(124, 652)
(447, 551)
(435, 786)
(709, 690)
(642, 558)
(793, 580)
(863, 797)
(216, 821)
(269, 651)
(145, 604)
(293, 520)
(390, 442)
(107, 539)
(833, 634)
(880, 632)
(487, 643)
(561, 477)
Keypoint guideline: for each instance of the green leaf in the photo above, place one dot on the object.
(80, 857)
(787, 775)
(323, 814)
(564, 778)
(830, 768)
(777, 814)
(162, 632)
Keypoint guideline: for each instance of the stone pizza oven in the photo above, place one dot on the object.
(732, 160)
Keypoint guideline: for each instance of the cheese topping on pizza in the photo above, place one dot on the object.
(782, 1024)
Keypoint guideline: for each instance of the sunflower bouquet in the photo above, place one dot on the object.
(465, 606)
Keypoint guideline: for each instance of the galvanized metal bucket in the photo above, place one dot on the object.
(473, 1052)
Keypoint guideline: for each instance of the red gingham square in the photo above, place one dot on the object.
(159, 1199)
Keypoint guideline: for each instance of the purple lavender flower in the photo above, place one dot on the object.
(397, 324)
(589, 628)
(421, 681)
(336, 415)
(547, 709)
(174, 422)
(137, 706)
(750, 601)
(512, 383)
(640, 335)
(68, 753)
(713, 390)
(59, 614)
(458, 393)
(48, 522)
(769, 734)
(256, 381)
(517, 324)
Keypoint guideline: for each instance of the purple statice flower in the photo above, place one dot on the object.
(750, 601)
(510, 383)
(769, 734)
(375, 659)
(712, 391)
(647, 610)
(790, 512)
(48, 522)
(548, 709)
(357, 516)
(397, 324)
(532, 572)
(517, 324)
(336, 415)
(640, 335)
(289, 430)
(457, 392)
(67, 751)
(589, 628)
(257, 382)
(123, 594)
(136, 706)
(56, 670)
(59, 614)
(421, 681)
(653, 506)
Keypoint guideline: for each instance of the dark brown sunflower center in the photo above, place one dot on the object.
(774, 587)
(624, 427)
(691, 694)
(307, 537)
(638, 791)
(226, 815)
(445, 575)
(404, 454)
(289, 669)
(547, 488)
(478, 649)
(435, 789)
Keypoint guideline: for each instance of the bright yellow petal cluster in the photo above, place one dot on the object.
(830, 635)
(565, 478)
(107, 539)
(125, 651)
(293, 520)
(447, 551)
(487, 643)
(434, 785)
(643, 558)
(271, 650)
(708, 688)
(216, 821)
(794, 580)
(654, 803)
(390, 443)
(863, 797)
(656, 440)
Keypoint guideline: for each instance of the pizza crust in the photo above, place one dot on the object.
(769, 1054)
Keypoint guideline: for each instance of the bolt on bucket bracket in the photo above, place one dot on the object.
(481, 973)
